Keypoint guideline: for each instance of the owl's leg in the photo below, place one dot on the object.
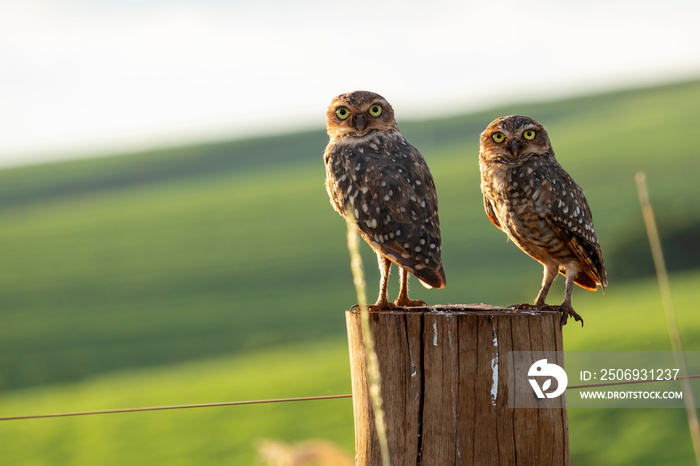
(566, 309)
(384, 270)
(550, 273)
(403, 299)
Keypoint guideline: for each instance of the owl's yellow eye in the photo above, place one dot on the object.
(375, 110)
(499, 137)
(343, 113)
(529, 134)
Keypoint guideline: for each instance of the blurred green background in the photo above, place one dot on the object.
(220, 272)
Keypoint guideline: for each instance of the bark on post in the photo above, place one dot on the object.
(445, 388)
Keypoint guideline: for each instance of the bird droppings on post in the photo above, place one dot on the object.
(494, 370)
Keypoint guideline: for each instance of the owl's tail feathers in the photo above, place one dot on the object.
(431, 278)
(603, 284)
(588, 282)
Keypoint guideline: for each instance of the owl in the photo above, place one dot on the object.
(530, 197)
(381, 183)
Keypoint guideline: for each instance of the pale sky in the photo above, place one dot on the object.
(86, 77)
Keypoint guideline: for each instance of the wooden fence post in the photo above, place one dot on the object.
(445, 388)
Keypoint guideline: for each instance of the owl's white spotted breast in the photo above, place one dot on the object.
(385, 184)
(522, 198)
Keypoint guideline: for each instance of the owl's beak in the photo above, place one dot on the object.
(514, 148)
(360, 122)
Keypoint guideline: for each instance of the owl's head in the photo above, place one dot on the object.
(358, 113)
(513, 139)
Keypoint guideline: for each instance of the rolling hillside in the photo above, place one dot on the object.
(179, 254)
(231, 435)
(220, 272)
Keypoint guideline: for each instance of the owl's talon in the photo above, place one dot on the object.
(385, 306)
(567, 311)
(410, 303)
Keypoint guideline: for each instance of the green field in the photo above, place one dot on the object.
(220, 272)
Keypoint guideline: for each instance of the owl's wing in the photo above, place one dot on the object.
(391, 195)
(488, 207)
(571, 218)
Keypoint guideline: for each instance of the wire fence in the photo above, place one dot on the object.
(274, 400)
(172, 407)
